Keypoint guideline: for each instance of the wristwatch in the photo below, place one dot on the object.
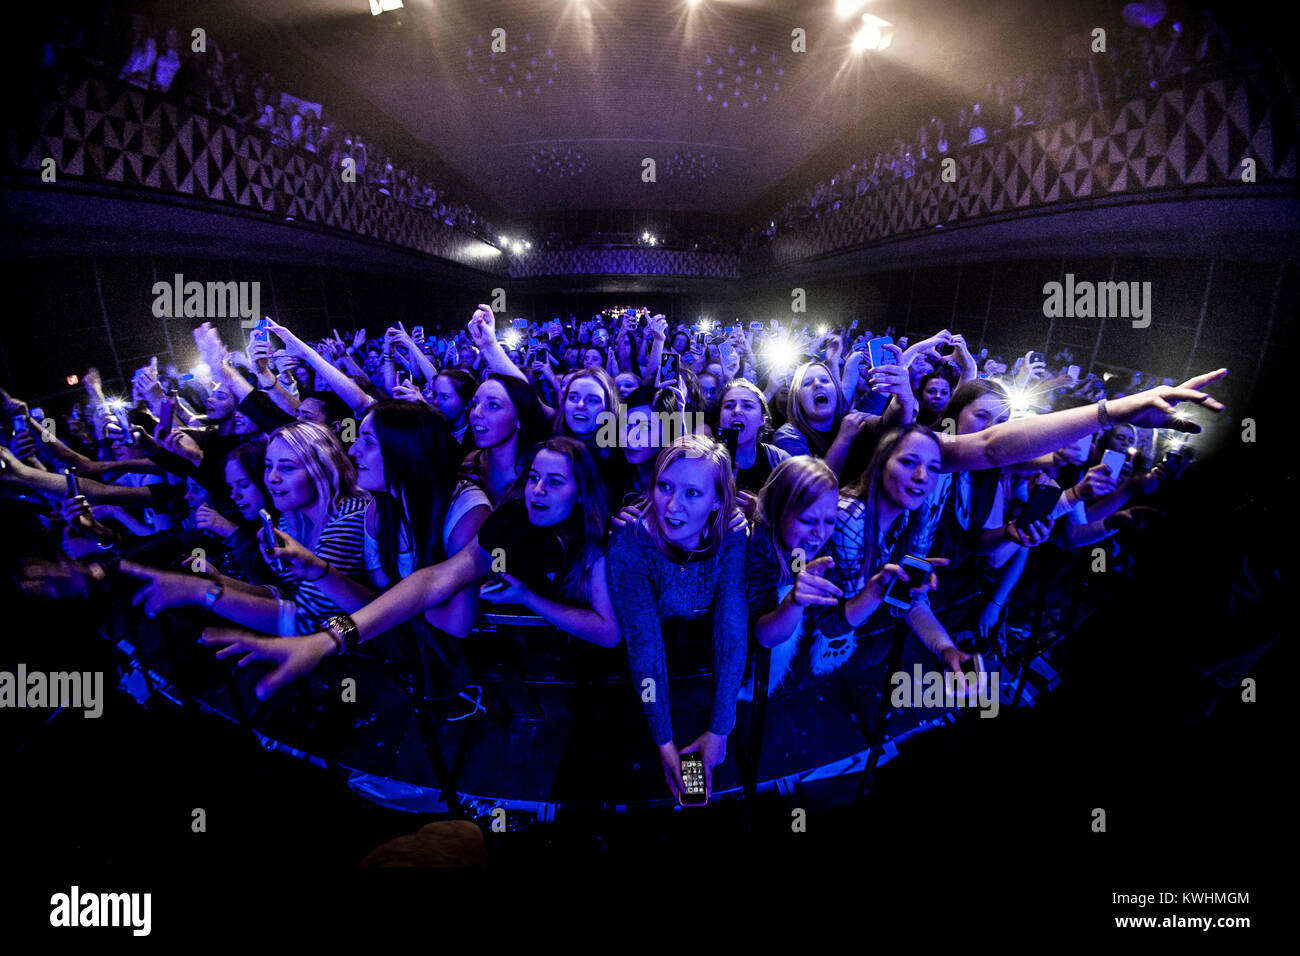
(213, 595)
(343, 629)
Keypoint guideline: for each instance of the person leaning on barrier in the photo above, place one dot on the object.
(679, 556)
(549, 527)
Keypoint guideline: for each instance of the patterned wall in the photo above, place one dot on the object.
(642, 262)
(1197, 136)
(107, 132)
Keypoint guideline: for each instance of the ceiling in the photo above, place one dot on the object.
(586, 90)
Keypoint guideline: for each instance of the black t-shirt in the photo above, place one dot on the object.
(532, 554)
(754, 477)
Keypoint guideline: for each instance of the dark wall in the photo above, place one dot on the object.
(72, 312)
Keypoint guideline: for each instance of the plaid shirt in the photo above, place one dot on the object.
(847, 547)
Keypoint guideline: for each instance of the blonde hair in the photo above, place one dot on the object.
(818, 442)
(793, 487)
(331, 470)
(724, 486)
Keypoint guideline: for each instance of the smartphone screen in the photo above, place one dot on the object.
(73, 489)
(756, 326)
(667, 371)
(693, 777)
(520, 323)
(701, 339)
(918, 571)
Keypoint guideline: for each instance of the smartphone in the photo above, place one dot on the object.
(918, 572)
(1073, 372)
(542, 353)
(1036, 357)
(1114, 462)
(37, 414)
(125, 424)
(693, 777)
(71, 475)
(853, 325)
(268, 532)
(1041, 502)
(725, 351)
(756, 326)
(731, 438)
(667, 371)
(876, 351)
(701, 339)
(520, 323)
(20, 424)
(728, 329)
(495, 582)
(260, 331)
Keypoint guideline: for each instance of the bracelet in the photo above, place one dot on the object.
(269, 388)
(328, 567)
(1103, 416)
(344, 631)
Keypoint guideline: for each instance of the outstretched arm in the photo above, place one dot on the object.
(1027, 438)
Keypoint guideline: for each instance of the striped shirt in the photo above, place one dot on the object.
(342, 544)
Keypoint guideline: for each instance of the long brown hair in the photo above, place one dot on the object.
(818, 442)
(792, 488)
(583, 532)
(867, 490)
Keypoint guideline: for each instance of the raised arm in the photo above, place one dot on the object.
(1027, 438)
(338, 382)
(482, 332)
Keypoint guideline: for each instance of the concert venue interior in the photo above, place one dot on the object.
(749, 430)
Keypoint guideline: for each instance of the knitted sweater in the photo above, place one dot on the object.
(647, 586)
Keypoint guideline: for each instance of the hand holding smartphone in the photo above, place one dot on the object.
(1042, 500)
(696, 794)
(918, 572)
(268, 537)
(1114, 462)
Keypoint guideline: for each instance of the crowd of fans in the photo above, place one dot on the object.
(216, 81)
(764, 478)
(1137, 60)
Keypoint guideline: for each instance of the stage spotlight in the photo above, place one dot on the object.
(511, 338)
(875, 34)
(383, 6)
(844, 9)
(782, 353)
(72, 379)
